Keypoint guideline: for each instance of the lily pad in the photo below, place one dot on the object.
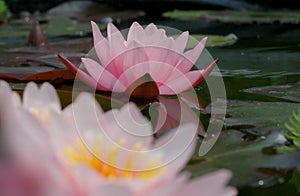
(52, 75)
(36, 67)
(235, 16)
(245, 159)
(262, 116)
(289, 92)
(213, 40)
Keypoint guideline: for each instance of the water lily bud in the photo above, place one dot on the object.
(37, 36)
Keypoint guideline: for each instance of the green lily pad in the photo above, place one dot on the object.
(262, 116)
(235, 16)
(186, 15)
(212, 40)
(245, 159)
(259, 115)
(289, 92)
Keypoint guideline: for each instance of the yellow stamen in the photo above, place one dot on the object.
(79, 153)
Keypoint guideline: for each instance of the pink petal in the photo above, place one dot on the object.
(164, 52)
(87, 118)
(130, 75)
(81, 75)
(206, 72)
(130, 125)
(176, 111)
(101, 75)
(182, 138)
(49, 96)
(155, 35)
(191, 57)
(151, 29)
(182, 83)
(113, 189)
(116, 40)
(27, 140)
(5, 91)
(45, 97)
(134, 55)
(186, 81)
(97, 35)
(136, 32)
(181, 41)
(103, 52)
(31, 92)
(160, 72)
(4, 85)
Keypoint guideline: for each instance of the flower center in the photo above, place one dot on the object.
(112, 162)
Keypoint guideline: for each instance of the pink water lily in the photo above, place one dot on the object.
(148, 56)
(128, 156)
(85, 151)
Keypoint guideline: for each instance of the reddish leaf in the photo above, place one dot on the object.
(43, 76)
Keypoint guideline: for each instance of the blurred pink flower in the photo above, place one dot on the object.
(147, 55)
(85, 151)
(119, 145)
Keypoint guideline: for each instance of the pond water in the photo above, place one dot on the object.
(261, 72)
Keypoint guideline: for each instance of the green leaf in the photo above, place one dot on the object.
(3, 9)
(293, 133)
(246, 159)
(213, 40)
(261, 116)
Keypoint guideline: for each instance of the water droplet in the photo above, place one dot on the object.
(261, 182)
